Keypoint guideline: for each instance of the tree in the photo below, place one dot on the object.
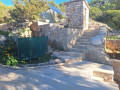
(4, 13)
(117, 3)
(95, 13)
(108, 7)
(112, 18)
(107, 11)
(28, 9)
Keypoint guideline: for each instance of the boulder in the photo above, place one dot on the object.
(52, 62)
(58, 61)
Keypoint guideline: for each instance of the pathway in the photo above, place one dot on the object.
(70, 77)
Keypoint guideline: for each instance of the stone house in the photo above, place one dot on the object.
(77, 14)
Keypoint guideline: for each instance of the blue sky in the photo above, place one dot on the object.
(9, 2)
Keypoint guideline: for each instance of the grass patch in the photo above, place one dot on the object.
(43, 59)
(112, 38)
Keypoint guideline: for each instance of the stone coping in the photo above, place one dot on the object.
(33, 66)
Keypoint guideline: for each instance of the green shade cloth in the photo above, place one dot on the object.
(32, 47)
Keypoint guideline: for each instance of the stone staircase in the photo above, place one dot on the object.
(77, 52)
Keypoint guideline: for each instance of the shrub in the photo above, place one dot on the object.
(6, 33)
(8, 53)
(10, 61)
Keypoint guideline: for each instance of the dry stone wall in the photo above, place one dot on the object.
(97, 53)
(63, 38)
(116, 67)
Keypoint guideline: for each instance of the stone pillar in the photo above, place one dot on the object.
(116, 67)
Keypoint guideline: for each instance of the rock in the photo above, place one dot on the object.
(50, 50)
(58, 61)
(2, 39)
(55, 54)
(106, 75)
(52, 62)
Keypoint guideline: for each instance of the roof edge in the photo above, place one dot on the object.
(77, 1)
(87, 4)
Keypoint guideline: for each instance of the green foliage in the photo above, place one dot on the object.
(8, 53)
(95, 13)
(112, 38)
(45, 58)
(10, 61)
(112, 18)
(106, 11)
(28, 9)
(42, 59)
(54, 4)
(6, 33)
(108, 7)
(4, 13)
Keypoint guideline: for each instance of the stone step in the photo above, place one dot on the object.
(84, 40)
(69, 59)
(80, 46)
(83, 43)
(84, 37)
(106, 75)
(73, 54)
(82, 50)
(91, 32)
(89, 35)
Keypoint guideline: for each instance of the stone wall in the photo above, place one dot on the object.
(62, 38)
(96, 52)
(113, 45)
(5, 27)
(77, 14)
(116, 68)
(74, 14)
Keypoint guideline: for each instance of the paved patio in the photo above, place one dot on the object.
(70, 77)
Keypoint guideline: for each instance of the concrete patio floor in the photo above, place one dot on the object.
(70, 77)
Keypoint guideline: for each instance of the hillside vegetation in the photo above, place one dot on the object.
(26, 10)
(106, 11)
(4, 13)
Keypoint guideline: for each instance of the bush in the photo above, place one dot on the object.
(8, 53)
(6, 33)
(10, 61)
(112, 18)
(112, 38)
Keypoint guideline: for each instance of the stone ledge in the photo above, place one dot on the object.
(107, 76)
(25, 68)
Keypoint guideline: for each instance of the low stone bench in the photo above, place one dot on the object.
(106, 75)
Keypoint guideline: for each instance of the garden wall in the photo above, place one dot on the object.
(96, 52)
(113, 45)
(60, 37)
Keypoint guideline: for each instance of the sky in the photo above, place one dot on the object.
(9, 2)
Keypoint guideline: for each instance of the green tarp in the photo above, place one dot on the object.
(32, 47)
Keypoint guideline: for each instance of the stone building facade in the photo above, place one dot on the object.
(77, 14)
